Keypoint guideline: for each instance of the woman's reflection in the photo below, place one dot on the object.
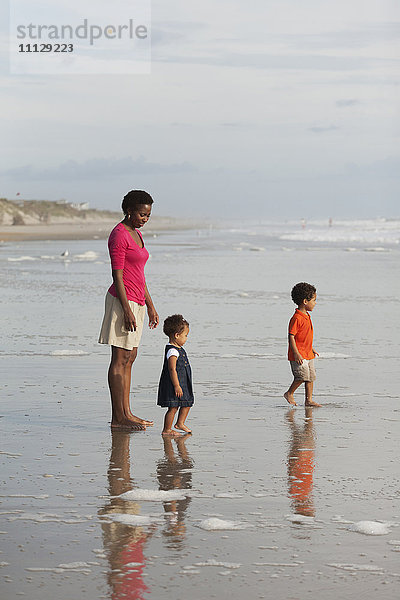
(175, 472)
(301, 462)
(123, 544)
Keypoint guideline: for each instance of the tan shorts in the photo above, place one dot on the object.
(305, 371)
(113, 330)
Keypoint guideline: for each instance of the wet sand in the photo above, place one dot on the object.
(86, 230)
(262, 501)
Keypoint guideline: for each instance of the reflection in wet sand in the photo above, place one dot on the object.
(123, 544)
(301, 462)
(175, 472)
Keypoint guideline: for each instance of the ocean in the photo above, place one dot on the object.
(262, 500)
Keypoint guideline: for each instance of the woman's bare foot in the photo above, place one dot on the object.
(311, 403)
(289, 398)
(183, 428)
(136, 419)
(128, 425)
(171, 433)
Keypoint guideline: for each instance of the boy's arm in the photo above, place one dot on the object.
(315, 352)
(292, 344)
(174, 376)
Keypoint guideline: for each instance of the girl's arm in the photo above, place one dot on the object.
(292, 344)
(174, 376)
(129, 318)
(151, 311)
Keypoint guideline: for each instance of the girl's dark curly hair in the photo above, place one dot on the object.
(302, 291)
(174, 324)
(135, 197)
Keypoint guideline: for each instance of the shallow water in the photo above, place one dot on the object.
(273, 501)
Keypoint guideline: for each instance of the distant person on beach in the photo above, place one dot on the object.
(301, 352)
(175, 390)
(125, 305)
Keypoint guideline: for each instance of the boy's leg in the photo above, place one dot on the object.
(308, 393)
(289, 394)
(180, 424)
(168, 422)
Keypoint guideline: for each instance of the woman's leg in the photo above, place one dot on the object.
(180, 424)
(127, 389)
(117, 382)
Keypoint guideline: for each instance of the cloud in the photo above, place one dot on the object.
(381, 33)
(323, 129)
(270, 61)
(347, 102)
(385, 168)
(96, 168)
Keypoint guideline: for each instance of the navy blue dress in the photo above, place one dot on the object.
(166, 392)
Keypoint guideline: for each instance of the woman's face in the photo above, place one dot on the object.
(139, 215)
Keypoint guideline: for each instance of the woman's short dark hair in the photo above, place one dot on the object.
(133, 198)
(174, 324)
(302, 291)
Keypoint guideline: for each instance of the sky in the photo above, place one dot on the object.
(257, 109)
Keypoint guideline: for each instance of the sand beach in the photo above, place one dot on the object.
(262, 501)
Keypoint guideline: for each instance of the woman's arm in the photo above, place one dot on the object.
(174, 376)
(154, 319)
(129, 318)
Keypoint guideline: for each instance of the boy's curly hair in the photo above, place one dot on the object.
(302, 291)
(174, 324)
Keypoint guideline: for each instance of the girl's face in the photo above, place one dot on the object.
(139, 215)
(180, 338)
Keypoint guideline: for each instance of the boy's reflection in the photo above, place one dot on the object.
(175, 472)
(301, 462)
(123, 544)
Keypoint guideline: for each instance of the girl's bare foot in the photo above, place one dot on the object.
(289, 398)
(183, 428)
(171, 433)
(311, 403)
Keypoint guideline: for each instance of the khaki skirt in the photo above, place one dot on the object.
(113, 330)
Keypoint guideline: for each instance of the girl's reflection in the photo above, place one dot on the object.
(301, 462)
(123, 544)
(175, 472)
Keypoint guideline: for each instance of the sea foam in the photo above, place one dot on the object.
(155, 495)
(214, 524)
(370, 528)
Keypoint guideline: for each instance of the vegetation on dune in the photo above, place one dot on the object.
(23, 212)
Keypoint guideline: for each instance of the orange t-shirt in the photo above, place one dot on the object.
(301, 327)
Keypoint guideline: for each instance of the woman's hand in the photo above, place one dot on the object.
(154, 319)
(129, 320)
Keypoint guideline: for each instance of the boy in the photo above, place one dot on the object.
(301, 352)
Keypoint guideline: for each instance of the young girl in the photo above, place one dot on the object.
(175, 388)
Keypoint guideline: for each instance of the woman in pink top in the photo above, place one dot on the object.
(125, 306)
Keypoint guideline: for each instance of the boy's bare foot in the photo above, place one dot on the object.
(171, 433)
(311, 403)
(289, 398)
(183, 428)
(128, 426)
